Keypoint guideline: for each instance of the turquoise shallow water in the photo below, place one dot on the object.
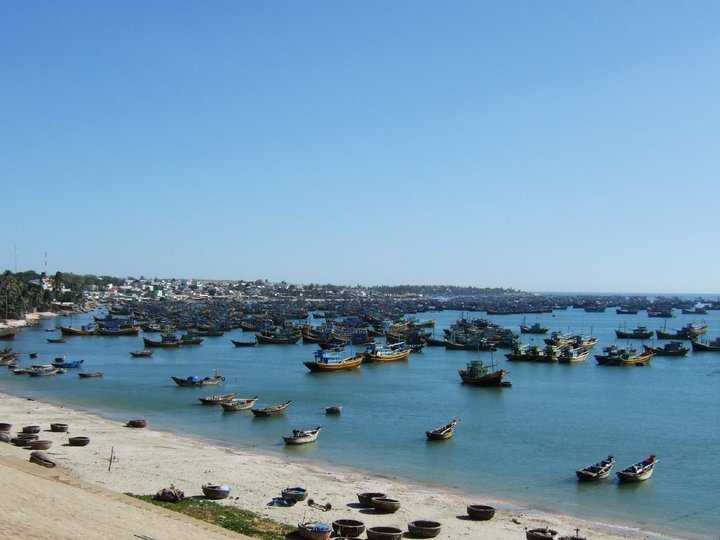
(521, 444)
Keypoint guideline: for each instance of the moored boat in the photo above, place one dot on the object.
(326, 361)
(642, 470)
(273, 410)
(244, 343)
(241, 404)
(703, 346)
(387, 353)
(479, 374)
(639, 332)
(674, 348)
(218, 399)
(194, 380)
(91, 374)
(141, 354)
(443, 432)
(596, 471)
(622, 356)
(302, 436)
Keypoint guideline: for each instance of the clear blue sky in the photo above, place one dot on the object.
(539, 145)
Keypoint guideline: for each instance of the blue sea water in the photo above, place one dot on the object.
(520, 444)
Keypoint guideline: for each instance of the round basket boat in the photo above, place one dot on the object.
(349, 528)
(31, 429)
(59, 428)
(424, 529)
(27, 436)
(384, 533)
(137, 423)
(19, 441)
(365, 498)
(78, 441)
(541, 534)
(295, 493)
(5, 426)
(314, 530)
(40, 444)
(385, 505)
(40, 458)
(480, 512)
(5, 436)
(216, 491)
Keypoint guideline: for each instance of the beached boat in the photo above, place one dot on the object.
(272, 411)
(480, 512)
(543, 533)
(194, 380)
(386, 505)
(137, 423)
(241, 404)
(642, 470)
(622, 356)
(443, 432)
(674, 348)
(295, 493)
(348, 528)
(596, 471)
(216, 491)
(314, 530)
(141, 354)
(90, 375)
(326, 361)
(219, 399)
(701, 346)
(384, 533)
(639, 332)
(302, 436)
(422, 528)
(479, 374)
(386, 353)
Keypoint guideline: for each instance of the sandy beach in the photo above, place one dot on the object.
(147, 460)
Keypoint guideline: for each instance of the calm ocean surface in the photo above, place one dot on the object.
(521, 444)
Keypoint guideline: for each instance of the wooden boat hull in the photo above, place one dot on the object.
(70, 331)
(492, 379)
(597, 471)
(442, 433)
(272, 411)
(243, 343)
(327, 367)
(639, 360)
(704, 347)
(207, 381)
(269, 340)
(153, 343)
(396, 357)
(129, 331)
(302, 436)
(141, 354)
(239, 404)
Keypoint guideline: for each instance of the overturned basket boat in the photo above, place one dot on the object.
(543, 533)
(137, 423)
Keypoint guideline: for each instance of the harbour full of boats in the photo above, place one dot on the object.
(401, 401)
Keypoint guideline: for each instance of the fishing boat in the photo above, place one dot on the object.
(479, 374)
(244, 343)
(166, 340)
(688, 331)
(280, 336)
(572, 355)
(190, 338)
(239, 404)
(194, 380)
(596, 471)
(84, 330)
(141, 354)
(43, 370)
(273, 410)
(57, 340)
(334, 409)
(702, 346)
(674, 348)
(62, 363)
(444, 432)
(90, 375)
(331, 360)
(119, 330)
(639, 332)
(386, 353)
(219, 399)
(642, 470)
(535, 328)
(302, 436)
(622, 356)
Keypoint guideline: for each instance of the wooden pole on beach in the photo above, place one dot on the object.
(112, 457)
